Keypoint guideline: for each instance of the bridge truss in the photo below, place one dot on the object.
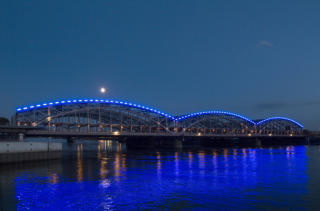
(116, 117)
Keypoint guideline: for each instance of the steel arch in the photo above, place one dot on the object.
(115, 115)
(94, 115)
(279, 125)
(215, 122)
(83, 101)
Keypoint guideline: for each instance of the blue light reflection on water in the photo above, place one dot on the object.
(221, 178)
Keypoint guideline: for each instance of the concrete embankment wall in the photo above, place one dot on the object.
(26, 151)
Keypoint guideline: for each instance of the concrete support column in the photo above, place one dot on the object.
(21, 137)
(70, 140)
(178, 143)
(308, 140)
(258, 142)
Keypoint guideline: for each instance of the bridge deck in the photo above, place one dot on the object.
(31, 132)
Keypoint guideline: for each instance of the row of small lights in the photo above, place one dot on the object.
(237, 115)
(281, 118)
(152, 110)
(96, 101)
(215, 112)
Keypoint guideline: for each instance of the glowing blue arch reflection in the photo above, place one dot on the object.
(280, 118)
(79, 101)
(215, 112)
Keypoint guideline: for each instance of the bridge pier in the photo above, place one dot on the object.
(178, 144)
(308, 140)
(21, 137)
(70, 140)
(257, 142)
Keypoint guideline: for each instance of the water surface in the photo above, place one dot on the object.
(103, 175)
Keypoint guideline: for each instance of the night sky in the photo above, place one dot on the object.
(255, 58)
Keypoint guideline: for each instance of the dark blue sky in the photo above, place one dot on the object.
(256, 58)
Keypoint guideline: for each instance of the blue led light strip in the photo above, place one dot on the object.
(215, 112)
(115, 102)
(279, 118)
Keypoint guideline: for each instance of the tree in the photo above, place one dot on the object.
(4, 121)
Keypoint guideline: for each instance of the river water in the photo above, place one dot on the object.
(103, 175)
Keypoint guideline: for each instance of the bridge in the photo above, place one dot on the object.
(116, 118)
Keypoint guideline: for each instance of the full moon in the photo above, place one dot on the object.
(103, 90)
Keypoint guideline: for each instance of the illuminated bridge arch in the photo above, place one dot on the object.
(215, 122)
(279, 125)
(94, 115)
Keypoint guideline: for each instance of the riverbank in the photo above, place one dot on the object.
(14, 151)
